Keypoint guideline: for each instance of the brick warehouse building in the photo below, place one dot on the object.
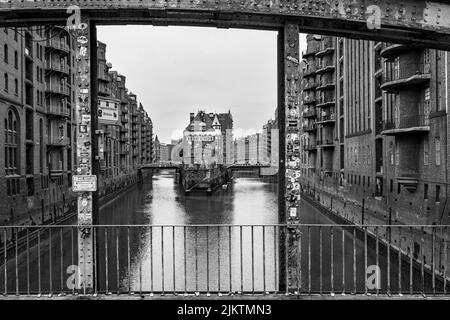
(374, 132)
(38, 123)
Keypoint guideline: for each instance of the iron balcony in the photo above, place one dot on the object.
(56, 141)
(326, 119)
(309, 113)
(309, 99)
(309, 71)
(56, 171)
(406, 124)
(326, 102)
(57, 67)
(58, 45)
(326, 143)
(392, 51)
(326, 48)
(310, 85)
(310, 147)
(325, 69)
(309, 127)
(406, 75)
(310, 51)
(326, 85)
(58, 110)
(57, 89)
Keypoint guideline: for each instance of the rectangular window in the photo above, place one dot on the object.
(437, 144)
(426, 106)
(438, 193)
(397, 154)
(425, 191)
(391, 152)
(6, 82)
(426, 56)
(5, 53)
(399, 188)
(391, 186)
(425, 152)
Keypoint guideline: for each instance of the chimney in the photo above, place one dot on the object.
(191, 117)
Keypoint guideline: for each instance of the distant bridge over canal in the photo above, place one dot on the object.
(192, 178)
(263, 169)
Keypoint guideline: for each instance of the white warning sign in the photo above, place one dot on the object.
(108, 111)
(84, 183)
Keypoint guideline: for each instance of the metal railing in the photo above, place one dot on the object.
(326, 84)
(56, 88)
(326, 117)
(57, 45)
(309, 112)
(326, 100)
(57, 141)
(309, 51)
(60, 109)
(325, 66)
(309, 127)
(309, 147)
(405, 122)
(228, 259)
(309, 99)
(326, 142)
(310, 85)
(310, 70)
(56, 66)
(407, 71)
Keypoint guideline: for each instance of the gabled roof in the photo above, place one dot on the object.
(204, 117)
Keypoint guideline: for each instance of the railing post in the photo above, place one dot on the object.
(288, 113)
(85, 182)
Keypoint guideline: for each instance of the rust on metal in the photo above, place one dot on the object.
(423, 22)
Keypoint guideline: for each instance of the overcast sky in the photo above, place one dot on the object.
(178, 70)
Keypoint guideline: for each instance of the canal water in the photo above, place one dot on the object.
(160, 240)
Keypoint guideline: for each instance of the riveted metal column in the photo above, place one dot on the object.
(85, 181)
(291, 158)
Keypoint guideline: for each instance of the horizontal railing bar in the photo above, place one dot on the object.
(229, 225)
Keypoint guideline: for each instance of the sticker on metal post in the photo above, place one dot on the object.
(85, 183)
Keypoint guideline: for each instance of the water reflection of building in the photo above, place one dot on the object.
(207, 139)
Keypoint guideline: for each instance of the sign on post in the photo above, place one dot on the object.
(108, 111)
(86, 183)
